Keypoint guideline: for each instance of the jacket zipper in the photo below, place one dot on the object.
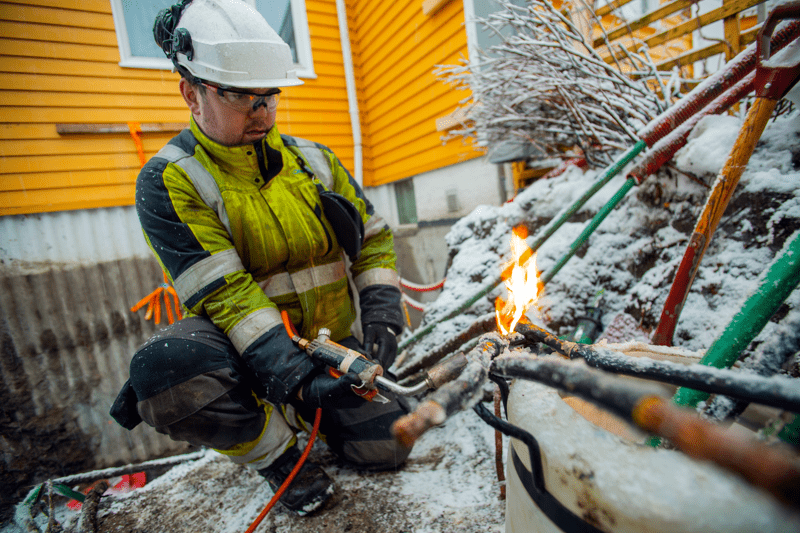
(317, 210)
(262, 168)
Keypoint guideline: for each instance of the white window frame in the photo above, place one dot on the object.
(471, 29)
(302, 36)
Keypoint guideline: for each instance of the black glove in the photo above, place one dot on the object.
(279, 365)
(381, 320)
(383, 340)
(322, 390)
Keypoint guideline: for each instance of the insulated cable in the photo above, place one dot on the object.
(413, 303)
(775, 391)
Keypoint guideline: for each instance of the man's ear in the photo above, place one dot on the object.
(191, 95)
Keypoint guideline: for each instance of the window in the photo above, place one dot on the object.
(477, 36)
(133, 20)
(406, 201)
(453, 205)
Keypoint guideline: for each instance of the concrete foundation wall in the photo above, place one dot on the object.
(422, 254)
(67, 335)
(453, 192)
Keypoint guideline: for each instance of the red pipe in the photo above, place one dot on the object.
(664, 149)
(713, 86)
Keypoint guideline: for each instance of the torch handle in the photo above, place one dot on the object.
(341, 359)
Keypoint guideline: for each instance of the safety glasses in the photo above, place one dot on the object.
(244, 101)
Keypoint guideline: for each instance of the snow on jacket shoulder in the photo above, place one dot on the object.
(241, 234)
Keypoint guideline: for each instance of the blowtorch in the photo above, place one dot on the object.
(343, 360)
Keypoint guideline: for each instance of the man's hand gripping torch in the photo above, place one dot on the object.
(342, 360)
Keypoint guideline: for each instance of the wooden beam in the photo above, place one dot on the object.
(691, 56)
(731, 30)
(646, 20)
(689, 26)
(608, 8)
(430, 7)
(703, 20)
(73, 129)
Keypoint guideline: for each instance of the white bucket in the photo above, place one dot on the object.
(595, 480)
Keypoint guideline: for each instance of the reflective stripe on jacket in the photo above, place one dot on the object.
(253, 240)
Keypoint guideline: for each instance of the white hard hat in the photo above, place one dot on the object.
(229, 44)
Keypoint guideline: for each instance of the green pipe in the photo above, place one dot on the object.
(781, 279)
(615, 168)
(588, 230)
(790, 433)
(542, 236)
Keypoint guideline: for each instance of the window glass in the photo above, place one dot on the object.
(139, 18)
(279, 17)
(483, 8)
(406, 202)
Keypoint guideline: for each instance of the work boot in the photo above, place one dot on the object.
(309, 489)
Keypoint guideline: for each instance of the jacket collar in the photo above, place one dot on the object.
(262, 157)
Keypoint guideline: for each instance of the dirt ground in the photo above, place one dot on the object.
(449, 484)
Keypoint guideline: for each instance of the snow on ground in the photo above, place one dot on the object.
(449, 484)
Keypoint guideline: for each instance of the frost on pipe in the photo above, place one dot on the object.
(713, 86)
(457, 395)
(777, 391)
(619, 485)
(663, 150)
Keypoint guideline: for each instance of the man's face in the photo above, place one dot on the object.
(230, 118)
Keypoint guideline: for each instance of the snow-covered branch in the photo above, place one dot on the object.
(545, 81)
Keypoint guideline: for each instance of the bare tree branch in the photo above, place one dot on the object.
(545, 81)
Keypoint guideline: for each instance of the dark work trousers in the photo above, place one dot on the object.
(192, 385)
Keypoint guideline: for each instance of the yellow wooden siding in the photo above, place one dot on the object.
(59, 65)
(396, 48)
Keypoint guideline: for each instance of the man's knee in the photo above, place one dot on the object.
(363, 436)
(188, 387)
(375, 455)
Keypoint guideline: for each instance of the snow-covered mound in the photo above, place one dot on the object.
(635, 252)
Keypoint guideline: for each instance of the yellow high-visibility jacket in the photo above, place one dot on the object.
(241, 234)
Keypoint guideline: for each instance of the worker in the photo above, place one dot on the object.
(247, 223)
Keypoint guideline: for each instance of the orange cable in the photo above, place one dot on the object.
(295, 470)
(285, 485)
(405, 310)
(153, 302)
(176, 302)
(290, 329)
(168, 307)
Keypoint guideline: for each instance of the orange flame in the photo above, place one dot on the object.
(521, 280)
